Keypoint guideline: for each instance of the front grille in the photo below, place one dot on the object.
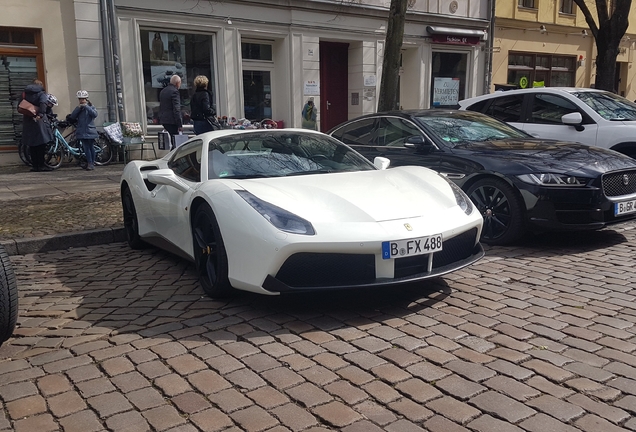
(614, 183)
(327, 269)
(455, 249)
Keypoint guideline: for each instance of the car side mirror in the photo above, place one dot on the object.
(418, 142)
(381, 163)
(573, 119)
(167, 177)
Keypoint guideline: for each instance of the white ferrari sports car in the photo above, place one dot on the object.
(288, 210)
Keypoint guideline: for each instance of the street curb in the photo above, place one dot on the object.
(49, 243)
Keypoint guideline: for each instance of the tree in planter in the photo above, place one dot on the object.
(387, 100)
(612, 24)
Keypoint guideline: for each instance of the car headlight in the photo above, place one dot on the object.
(550, 179)
(460, 197)
(280, 218)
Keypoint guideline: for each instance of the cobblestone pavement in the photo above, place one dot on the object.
(539, 337)
(65, 200)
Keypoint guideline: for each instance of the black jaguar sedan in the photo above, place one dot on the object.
(519, 183)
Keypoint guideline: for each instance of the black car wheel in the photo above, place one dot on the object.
(8, 297)
(501, 209)
(209, 254)
(131, 223)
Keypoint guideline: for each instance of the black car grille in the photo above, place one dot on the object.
(614, 183)
(304, 270)
(327, 269)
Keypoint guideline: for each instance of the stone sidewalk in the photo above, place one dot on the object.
(66, 207)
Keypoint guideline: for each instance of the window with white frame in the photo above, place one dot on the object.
(567, 7)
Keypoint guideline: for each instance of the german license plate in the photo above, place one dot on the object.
(625, 207)
(411, 247)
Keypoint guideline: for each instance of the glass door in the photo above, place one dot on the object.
(448, 79)
(257, 94)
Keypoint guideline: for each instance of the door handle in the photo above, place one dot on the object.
(328, 105)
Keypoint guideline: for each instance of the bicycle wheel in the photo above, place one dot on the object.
(25, 154)
(103, 150)
(53, 155)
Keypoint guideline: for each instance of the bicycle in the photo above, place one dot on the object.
(61, 149)
(25, 153)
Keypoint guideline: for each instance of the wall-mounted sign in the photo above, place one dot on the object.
(445, 91)
(370, 80)
(369, 93)
(455, 40)
(310, 52)
(355, 98)
(312, 87)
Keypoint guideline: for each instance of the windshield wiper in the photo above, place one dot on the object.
(318, 171)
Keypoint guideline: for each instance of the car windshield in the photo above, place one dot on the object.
(609, 105)
(464, 128)
(279, 154)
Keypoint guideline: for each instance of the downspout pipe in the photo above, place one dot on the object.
(490, 46)
(108, 62)
(114, 33)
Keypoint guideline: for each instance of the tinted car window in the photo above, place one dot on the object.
(479, 106)
(186, 161)
(548, 108)
(506, 108)
(357, 132)
(394, 131)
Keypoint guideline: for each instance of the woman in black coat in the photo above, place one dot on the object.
(201, 106)
(36, 131)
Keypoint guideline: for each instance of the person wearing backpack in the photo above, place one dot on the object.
(36, 131)
(85, 130)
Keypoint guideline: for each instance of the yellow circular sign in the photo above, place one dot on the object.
(523, 82)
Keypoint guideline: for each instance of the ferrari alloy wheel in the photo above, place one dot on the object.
(131, 224)
(8, 297)
(209, 253)
(501, 209)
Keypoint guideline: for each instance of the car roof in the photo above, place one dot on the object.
(410, 113)
(499, 93)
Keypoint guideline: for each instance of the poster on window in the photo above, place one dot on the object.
(167, 58)
(445, 91)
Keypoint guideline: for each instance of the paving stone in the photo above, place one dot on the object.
(130, 421)
(130, 381)
(435, 355)
(19, 390)
(410, 409)
(375, 412)
(84, 373)
(208, 381)
(548, 370)
(418, 390)
(510, 369)
(347, 392)
(53, 384)
(361, 426)
(471, 371)
(211, 420)
(230, 400)
(542, 384)
(542, 423)
(614, 414)
(486, 423)
(512, 388)
(453, 409)
(309, 395)
(65, 404)
(502, 406)
(294, 417)
(556, 408)
(459, 387)
(403, 426)
(319, 375)
(146, 398)
(83, 421)
(441, 424)
(163, 417)
(109, 404)
(592, 423)
(337, 414)
(355, 375)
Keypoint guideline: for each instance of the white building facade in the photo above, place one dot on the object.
(264, 59)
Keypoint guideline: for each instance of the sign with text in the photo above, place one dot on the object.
(445, 91)
(455, 40)
(312, 88)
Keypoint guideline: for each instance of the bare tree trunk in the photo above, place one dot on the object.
(606, 63)
(388, 97)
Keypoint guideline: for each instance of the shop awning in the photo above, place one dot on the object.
(452, 31)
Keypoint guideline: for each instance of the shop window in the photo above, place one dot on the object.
(567, 7)
(256, 51)
(527, 3)
(165, 54)
(21, 61)
(541, 70)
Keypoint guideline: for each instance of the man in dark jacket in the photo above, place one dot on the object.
(170, 107)
(36, 131)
